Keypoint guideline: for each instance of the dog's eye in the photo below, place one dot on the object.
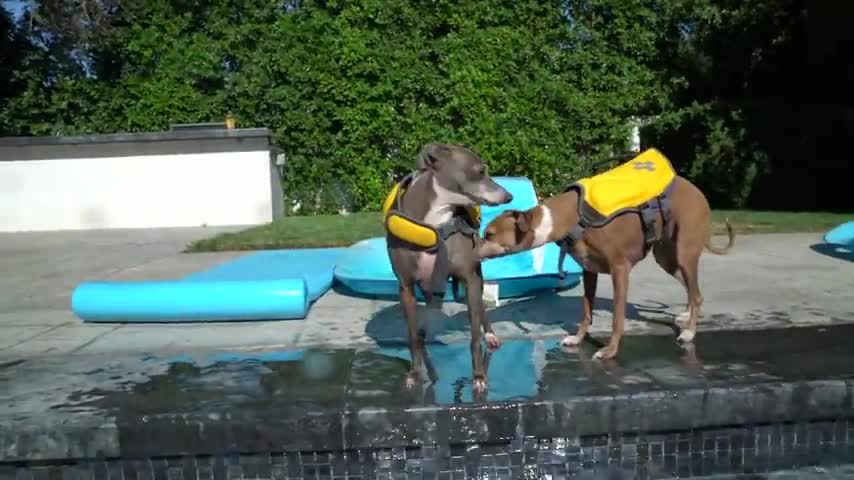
(488, 235)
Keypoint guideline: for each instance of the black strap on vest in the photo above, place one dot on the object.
(566, 244)
(442, 266)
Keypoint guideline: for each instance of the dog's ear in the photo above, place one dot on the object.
(524, 220)
(429, 156)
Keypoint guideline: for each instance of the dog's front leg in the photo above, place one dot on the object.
(474, 297)
(620, 279)
(492, 340)
(416, 342)
(589, 279)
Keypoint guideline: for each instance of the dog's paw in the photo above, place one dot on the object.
(606, 353)
(435, 303)
(492, 341)
(479, 385)
(571, 341)
(687, 336)
(411, 381)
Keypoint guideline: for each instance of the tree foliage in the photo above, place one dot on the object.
(351, 89)
(764, 115)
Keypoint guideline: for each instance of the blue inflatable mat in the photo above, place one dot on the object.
(269, 285)
(315, 266)
(842, 235)
(365, 268)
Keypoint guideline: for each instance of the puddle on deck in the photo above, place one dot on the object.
(317, 379)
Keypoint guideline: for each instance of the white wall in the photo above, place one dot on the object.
(145, 191)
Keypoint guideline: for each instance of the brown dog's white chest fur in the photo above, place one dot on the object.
(586, 256)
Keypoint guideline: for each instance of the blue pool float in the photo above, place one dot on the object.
(365, 269)
(269, 285)
(282, 284)
(841, 235)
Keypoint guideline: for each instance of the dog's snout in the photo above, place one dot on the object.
(509, 197)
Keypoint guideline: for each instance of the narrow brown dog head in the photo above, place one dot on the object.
(510, 232)
(461, 175)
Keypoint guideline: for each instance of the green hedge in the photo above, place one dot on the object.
(353, 88)
(545, 89)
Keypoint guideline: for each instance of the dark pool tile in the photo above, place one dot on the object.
(8, 472)
(683, 470)
(722, 444)
(839, 432)
(670, 446)
(386, 428)
(259, 429)
(548, 419)
(218, 468)
(40, 473)
(140, 469)
(483, 423)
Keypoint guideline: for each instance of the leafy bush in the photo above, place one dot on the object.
(352, 89)
(710, 146)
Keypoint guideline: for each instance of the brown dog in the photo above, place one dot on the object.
(679, 235)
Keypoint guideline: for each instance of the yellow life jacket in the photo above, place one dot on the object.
(415, 232)
(624, 188)
(642, 185)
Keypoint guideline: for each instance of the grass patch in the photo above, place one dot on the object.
(297, 232)
(342, 230)
(757, 221)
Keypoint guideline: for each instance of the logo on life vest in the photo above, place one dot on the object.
(644, 166)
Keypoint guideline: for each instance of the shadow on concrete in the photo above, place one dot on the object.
(834, 251)
(388, 325)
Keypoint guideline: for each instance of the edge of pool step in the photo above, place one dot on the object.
(289, 429)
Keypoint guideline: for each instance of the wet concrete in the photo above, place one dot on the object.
(215, 401)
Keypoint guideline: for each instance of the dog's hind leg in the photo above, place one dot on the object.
(689, 263)
(664, 252)
(589, 279)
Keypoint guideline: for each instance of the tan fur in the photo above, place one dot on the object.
(615, 249)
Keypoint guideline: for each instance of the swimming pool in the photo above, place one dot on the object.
(720, 408)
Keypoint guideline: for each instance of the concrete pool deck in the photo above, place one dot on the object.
(768, 281)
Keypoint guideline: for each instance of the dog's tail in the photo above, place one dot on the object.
(730, 244)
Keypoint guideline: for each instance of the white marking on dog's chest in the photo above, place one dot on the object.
(442, 207)
(544, 229)
(439, 215)
(539, 258)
